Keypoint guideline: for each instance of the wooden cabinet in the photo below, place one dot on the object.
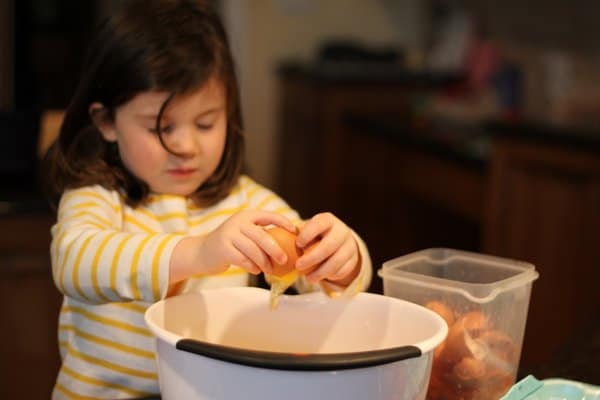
(399, 199)
(29, 304)
(544, 207)
(534, 198)
(313, 136)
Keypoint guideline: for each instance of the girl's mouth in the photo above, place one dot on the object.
(181, 172)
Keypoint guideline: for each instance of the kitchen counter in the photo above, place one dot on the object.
(19, 193)
(468, 143)
(349, 72)
(564, 135)
(462, 143)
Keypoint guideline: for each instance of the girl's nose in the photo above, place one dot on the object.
(182, 141)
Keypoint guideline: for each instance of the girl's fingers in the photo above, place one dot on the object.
(346, 269)
(249, 249)
(333, 264)
(318, 254)
(239, 259)
(267, 218)
(330, 244)
(315, 227)
(265, 242)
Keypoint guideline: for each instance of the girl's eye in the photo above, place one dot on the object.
(163, 129)
(204, 127)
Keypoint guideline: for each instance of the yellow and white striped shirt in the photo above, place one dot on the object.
(111, 262)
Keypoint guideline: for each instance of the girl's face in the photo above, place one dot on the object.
(194, 127)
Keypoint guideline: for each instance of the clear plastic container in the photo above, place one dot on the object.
(484, 300)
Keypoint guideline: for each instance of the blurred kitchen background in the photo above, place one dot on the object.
(421, 123)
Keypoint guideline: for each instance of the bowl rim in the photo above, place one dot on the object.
(300, 361)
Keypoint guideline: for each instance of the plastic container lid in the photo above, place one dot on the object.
(478, 277)
(530, 388)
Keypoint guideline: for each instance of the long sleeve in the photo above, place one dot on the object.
(94, 261)
(111, 261)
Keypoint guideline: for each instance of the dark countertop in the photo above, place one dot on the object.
(23, 202)
(24, 205)
(462, 143)
(466, 143)
(549, 133)
(21, 193)
(334, 72)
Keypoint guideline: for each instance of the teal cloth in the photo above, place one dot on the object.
(530, 388)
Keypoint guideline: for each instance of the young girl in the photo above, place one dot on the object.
(152, 203)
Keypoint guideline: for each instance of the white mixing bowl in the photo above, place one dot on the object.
(227, 344)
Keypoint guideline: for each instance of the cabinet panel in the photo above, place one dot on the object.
(313, 134)
(299, 161)
(29, 305)
(399, 199)
(545, 209)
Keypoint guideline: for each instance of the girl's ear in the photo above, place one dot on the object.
(103, 122)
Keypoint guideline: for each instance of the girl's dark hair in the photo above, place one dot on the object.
(172, 46)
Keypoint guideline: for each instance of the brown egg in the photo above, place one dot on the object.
(442, 310)
(441, 388)
(469, 370)
(494, 384)
(501, 345)
(436, 387)
(287, 242)
(469, 326)
(439, 351)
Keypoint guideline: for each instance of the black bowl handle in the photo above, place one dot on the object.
(298, 361)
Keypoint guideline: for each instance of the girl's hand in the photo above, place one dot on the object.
(241, 240)
(335, 257)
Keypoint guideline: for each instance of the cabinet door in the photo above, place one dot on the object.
(544, 207)
(313, 135)
(29, 306)
(300, 149)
